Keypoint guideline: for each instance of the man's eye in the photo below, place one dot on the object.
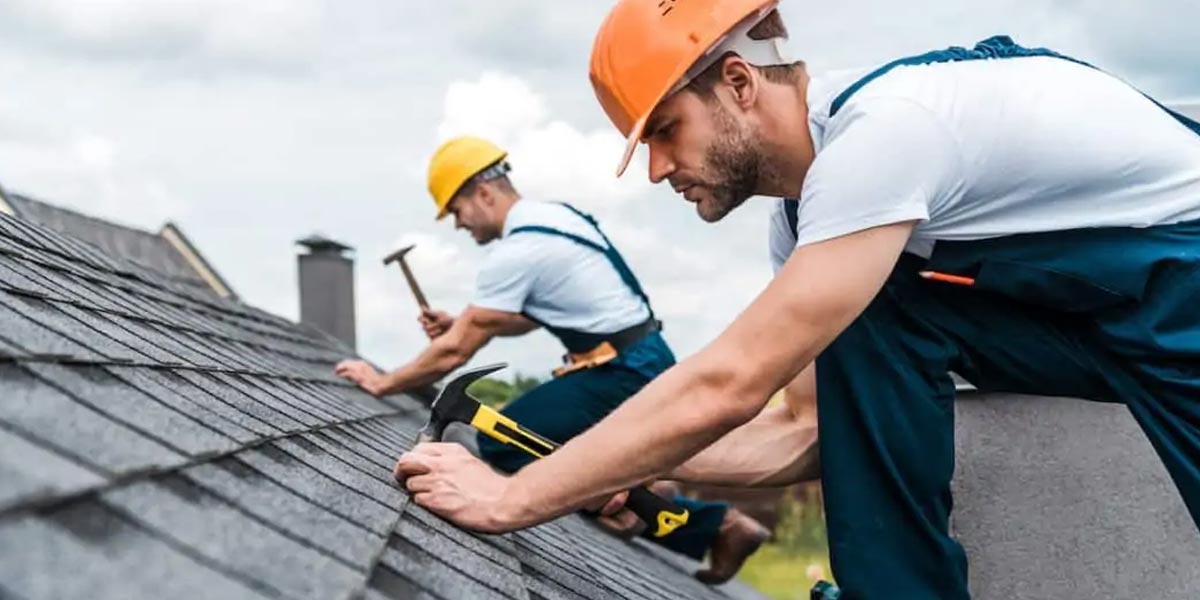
(664, 132)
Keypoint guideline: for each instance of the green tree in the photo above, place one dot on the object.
(497, 392)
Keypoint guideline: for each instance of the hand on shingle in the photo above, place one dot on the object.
(361, 373)
(449, 481)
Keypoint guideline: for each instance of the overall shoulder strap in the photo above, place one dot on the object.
(1000, 46)
(609, 250)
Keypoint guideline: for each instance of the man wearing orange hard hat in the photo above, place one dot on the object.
(1010, 214)
(550, 266)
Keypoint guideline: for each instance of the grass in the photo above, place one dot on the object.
(798, 555)
(782, 573)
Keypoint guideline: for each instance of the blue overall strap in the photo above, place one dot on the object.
(997, 47)
(610, 251)
(791, 210)
(1000, 46)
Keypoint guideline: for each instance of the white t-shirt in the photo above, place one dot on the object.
(989, 148)
(553, 279)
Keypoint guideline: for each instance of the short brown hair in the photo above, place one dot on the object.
(770, 27)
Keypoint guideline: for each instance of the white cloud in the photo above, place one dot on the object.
(551, 157)
(265, 32)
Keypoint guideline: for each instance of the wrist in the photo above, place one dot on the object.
(516, 508)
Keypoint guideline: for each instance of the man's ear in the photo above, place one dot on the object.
(741, 79)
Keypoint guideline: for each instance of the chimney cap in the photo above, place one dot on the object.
(319, 244)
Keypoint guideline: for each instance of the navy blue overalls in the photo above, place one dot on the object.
(1105, 314)
(564, 407)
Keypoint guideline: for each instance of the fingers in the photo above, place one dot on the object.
(614, 504)
(424, 458)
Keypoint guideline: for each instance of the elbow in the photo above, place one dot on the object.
(451, 358)
(727, 402)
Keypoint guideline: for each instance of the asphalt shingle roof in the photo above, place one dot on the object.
(148, 250)
(159, 441)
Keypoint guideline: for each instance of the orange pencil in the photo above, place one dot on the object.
(955, 279)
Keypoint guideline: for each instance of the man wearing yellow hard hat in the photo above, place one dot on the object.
(550, 265)
(1009, 213)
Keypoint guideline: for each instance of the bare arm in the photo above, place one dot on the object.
(776, 448)
(816, 295)
(472, 330)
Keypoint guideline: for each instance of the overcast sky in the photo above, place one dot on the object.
(252, 124)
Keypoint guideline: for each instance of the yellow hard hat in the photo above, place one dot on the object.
(457, 161)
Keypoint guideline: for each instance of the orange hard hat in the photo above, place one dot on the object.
(646, 48)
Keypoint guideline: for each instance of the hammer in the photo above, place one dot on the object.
(454, 405)
(398, 256)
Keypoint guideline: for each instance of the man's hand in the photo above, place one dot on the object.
(447, 480)
(435, 322)
(620, 520)
(362, 374)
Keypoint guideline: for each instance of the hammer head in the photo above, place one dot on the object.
(398, 255)
(454, 404)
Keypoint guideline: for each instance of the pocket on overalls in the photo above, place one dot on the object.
(1042, 286)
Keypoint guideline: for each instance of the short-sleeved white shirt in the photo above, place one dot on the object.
(553, 279)
(989, 148)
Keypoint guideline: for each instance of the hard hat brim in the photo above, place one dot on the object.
(635, 136)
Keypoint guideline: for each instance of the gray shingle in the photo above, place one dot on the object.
(87, 552)
(209, 348)
(375, 487)
(99, 389)
(336, 496)
(410, 592)
(365, 449)
(309, 415)
(350, 456)
(8, 350)
(324, 408)
(430, 572)
(11, 278)
(144, 352)
(256, 494)
(49, 316)
(151, 335)
(165, 378)
(31, 472)
(76, 430)
(251, 406)
(564, 568)
(501, 577)
(499, 548)
(177, 509)
(36, 339)
(389, 446)
(216, 415)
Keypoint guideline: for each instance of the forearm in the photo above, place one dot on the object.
(431, 365)
(720, 388)
(775, 449)
(675, 416)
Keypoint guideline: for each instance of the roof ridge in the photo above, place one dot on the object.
(77, 213)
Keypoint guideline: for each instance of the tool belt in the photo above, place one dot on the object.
(606, 347)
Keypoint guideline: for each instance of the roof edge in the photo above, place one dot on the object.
(174, 236)
(5, 207)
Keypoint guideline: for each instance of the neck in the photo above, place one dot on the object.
(787, 142)
(504, 204)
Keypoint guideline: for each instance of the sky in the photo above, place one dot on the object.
(254, 124)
